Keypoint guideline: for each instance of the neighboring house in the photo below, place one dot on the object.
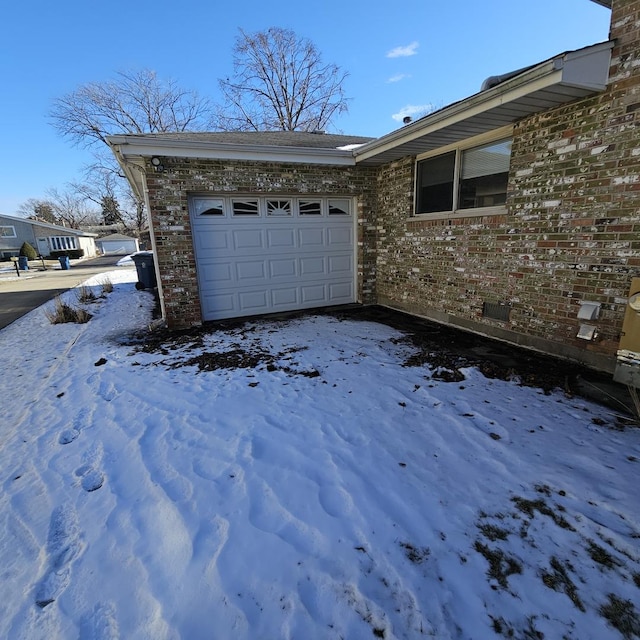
(117, 244)
(514, 213)
(43, 237)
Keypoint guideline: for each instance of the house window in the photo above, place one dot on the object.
(484, 175)
(464, 179)
(8, 232)
(435, 183)
(62, 243)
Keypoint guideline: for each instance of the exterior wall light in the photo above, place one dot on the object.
(156, 164)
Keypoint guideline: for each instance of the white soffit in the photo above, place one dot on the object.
(562, 79)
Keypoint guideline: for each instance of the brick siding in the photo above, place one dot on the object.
(571, 232)
(168, 206)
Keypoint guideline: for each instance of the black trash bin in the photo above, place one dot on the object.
(145, 267)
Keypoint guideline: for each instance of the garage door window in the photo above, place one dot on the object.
(310, 208)
(278, 207)
(209, 207)
(245, 208)
(339, 207)
(270, 207)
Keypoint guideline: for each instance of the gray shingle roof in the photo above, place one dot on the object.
(268, 138)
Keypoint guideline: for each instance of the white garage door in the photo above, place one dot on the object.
(260, 255)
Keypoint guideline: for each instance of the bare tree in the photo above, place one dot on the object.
(280, 83)
(71, 208)
(36, 209)
(132, 103)
(104, 184)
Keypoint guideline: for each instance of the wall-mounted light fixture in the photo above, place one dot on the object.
(157, 164)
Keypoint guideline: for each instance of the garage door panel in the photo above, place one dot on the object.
(219, 305)
(313, 266)
(314, 294)
(217, 272)
(251, 270)
(261, 264)
(340, 236)
(281, 238)
(313, 238)
(340, 264)
(283, 268)
(286, 297)
(253, 302)
(341, 291)
(248, 239)
(210, 244)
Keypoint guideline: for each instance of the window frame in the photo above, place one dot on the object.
(299, 206)
(63, 243)
(13, 231)
(504, 133)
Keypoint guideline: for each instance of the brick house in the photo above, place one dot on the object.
(513, 213)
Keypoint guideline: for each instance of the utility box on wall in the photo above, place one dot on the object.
(628, 362)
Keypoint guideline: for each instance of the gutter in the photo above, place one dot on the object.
(143, 147)
(568, 68)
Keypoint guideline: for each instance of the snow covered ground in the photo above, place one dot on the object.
(292, 479)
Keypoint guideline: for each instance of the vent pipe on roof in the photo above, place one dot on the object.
(319, 132)
(493, 81)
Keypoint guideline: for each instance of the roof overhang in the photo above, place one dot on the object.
(604, 3)
(562, 79)
(132, 152)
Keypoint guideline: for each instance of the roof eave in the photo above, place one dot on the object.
(554, 82)
(129, 146)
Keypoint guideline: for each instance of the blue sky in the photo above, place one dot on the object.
(409, 53)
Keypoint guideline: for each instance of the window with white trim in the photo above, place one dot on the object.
(245, 208)
(62, 243)
(463, 179)
(209, 207)
(8, 232)
(339, 207)
(278, 207)
(269, 206)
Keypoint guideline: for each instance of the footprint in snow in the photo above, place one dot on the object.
(63, 546)
(92, 478)
(101, 623)
(68, 435)
(107, 391)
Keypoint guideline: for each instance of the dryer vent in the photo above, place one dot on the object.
(496, 311)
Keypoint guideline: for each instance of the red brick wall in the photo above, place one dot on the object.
(169, 191)
(571, 232)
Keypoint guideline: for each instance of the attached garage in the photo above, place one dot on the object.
(258, 255)
(254, 222)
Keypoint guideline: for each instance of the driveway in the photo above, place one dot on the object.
(323, 476)
(19, 295)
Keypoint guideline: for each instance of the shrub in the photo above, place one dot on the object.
(70, 253)
(28, 251)
(85, 294)
(62, 313)
(106, 285)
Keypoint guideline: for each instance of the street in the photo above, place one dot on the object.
(19, 295)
